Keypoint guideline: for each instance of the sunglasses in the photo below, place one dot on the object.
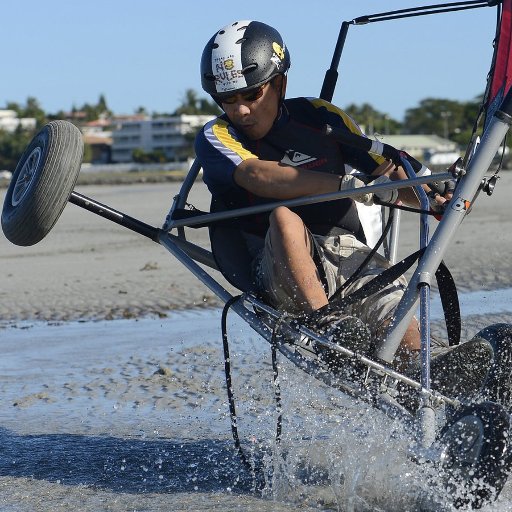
(249, 96)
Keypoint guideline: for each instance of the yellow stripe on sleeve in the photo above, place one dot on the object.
(349, 122)
(220, 130)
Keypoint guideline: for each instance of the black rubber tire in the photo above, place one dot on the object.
(478, 457)
(42, 183)
(498, 385)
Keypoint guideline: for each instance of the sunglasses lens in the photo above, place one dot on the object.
(247, 96)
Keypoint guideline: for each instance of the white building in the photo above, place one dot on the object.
(9, 121)
(429, 149)
(165, 134)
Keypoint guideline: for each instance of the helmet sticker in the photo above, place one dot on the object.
(227, 58)
(278, 55)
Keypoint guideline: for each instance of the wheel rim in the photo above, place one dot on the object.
(26, 175)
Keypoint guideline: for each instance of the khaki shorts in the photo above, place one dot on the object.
(340, 255)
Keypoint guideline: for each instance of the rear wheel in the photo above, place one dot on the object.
(498, 385)
(476, 454)
(42, 183)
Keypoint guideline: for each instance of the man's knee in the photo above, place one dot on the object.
(281, 216)
(286, 225)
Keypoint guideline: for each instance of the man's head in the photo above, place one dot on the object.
(243, 68)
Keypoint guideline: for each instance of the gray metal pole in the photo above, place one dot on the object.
(443, 236)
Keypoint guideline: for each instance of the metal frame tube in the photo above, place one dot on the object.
(443, 236)
(250, 210)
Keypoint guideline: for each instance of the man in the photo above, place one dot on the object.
(265, 148)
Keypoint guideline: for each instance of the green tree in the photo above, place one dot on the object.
(12, 105)
(33, 109)
(141, 111)
(209, 107)
(148, 157)
(192, 104)
(30, 109)
(434, 116)
(12, 146)
(446, 118)
(373, 121)
(102, 105)
(94, 111)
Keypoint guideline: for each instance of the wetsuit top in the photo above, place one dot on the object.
(296, 139)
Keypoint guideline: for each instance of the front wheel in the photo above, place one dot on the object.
(42, 183)
(476, 454)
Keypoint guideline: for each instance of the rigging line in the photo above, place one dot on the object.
(366, 260)
(421, 11)
(274, 343)
(229, 384)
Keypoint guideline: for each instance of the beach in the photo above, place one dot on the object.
(112, 379)
(88, 267)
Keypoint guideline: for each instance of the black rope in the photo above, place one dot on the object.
(275, 372)
(227, 371)
(406, 208)
(420, 11)
(367, 259)
(445, 283)
(229, 383)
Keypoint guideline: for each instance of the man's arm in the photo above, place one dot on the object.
(275, 180)
(266, 178)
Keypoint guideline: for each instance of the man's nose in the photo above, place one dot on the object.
(242, 109)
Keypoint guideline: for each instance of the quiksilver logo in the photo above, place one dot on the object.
(296, 158)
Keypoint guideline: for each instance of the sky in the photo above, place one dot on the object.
(146, 53)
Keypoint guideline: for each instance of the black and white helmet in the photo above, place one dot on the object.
(242, 56)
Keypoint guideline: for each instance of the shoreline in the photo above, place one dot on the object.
(88, 268)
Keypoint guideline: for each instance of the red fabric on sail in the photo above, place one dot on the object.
(502, 73)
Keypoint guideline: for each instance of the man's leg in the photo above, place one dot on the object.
(293, 262)
(294, 265)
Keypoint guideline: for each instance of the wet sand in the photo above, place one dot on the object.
(88, 267)
(131, 414)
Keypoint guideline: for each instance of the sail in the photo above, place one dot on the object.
(501, 72)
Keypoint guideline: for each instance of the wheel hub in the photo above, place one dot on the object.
(26, 175)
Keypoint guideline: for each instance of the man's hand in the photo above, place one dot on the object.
(349, 182)
(385, 172)
(385, 196)
(438, 202)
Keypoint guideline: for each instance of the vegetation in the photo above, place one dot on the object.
(447, 118)
(148, 157)
(450, 119)
(87, 112)
(372, 120)
(12, 146)
(192, 104)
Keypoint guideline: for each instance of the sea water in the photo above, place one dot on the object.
(132, 415)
